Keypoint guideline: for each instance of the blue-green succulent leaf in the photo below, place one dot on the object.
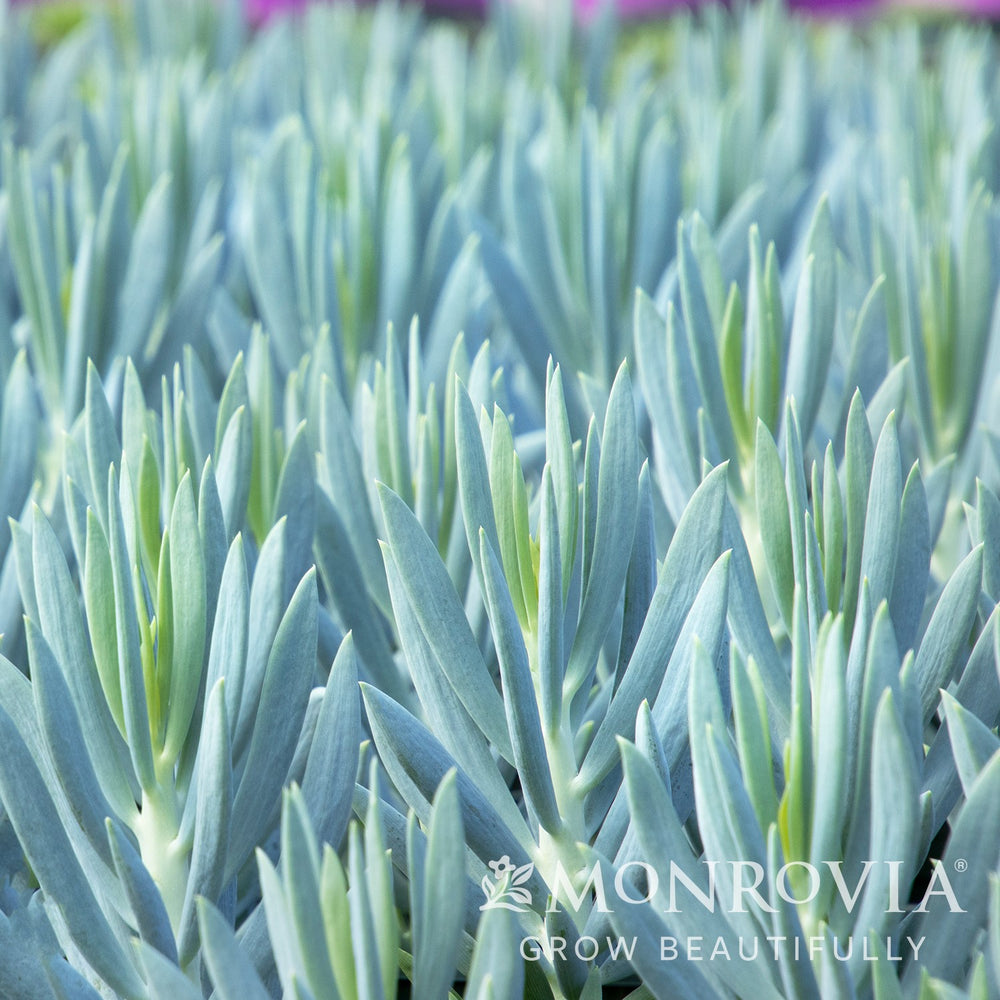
(228, 646)
(131, 679)
(62, 624)
(34, 818)
(812, 335)
(267, 605)
(942, 650)
(616, 511)
(348, 490)
(893, 819)
(661, 978)
(68, 983)
(300, 870)
(957, 899)
(797, 976)
(667, 850)
(704, 629)
(695, 547)
(102, 448)
(551, 613)
(442, 620)
(519, 311)
(328, 783)
(773, 518)
(142, 291)
(701, 337)
(19, 442)
(212, 834)
(345, 584)
(22, 971)
(164, 979)
(519, 695)
(295, 499)
(882, 523)
(145, 901)
(497, 968)
(973, 744)
(473, 477)
(987, 523)
(438, 924)
(232, 971)
(291, 666)
(188, 607)
(417, 763)
(233, 462)
(446, 715)
(60, 724)
(859, 452)
(909, 587)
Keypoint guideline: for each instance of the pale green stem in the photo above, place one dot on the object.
(156, 829)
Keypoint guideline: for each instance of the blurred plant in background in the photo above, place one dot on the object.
(259, 10)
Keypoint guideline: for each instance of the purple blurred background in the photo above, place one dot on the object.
(258, 10)
(644, 8)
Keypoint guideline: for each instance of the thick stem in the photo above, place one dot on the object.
(156, 829)
(563, 768)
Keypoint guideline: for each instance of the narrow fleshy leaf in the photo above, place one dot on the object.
(101, 443)
(942, 651)
(438, 929)
(520, 702)
(617, 506)
(228, 645)
(446, 716)
(773, 517)
(34, 818)
(129, 659)
(912, 561)
(443, 621)
(559, 454)
(291, 665)
(882, 522)
(60, 724)
(682, 875)
(188, 606)
(894, 819)
(214, 792)
(811, 341)
(295, 499)
(142, 291)
(972, 743)
(148, 909)
(66, 636)
(417, 763)
(300, 870)
(957, 899)
(328, 784)
(344, 583)
(551, 625)
(859, 454)
(693, 550)
(497, 967)
(165, 979)
(231, 971)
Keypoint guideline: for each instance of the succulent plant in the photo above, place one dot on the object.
(495, 512)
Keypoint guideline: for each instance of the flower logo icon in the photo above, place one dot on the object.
(506, 890)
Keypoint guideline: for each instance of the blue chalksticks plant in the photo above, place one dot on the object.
(501, 510)
(144, 765)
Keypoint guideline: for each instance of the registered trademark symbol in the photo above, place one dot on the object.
(961, 864)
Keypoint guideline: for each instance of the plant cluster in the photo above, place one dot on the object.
(510, 510)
